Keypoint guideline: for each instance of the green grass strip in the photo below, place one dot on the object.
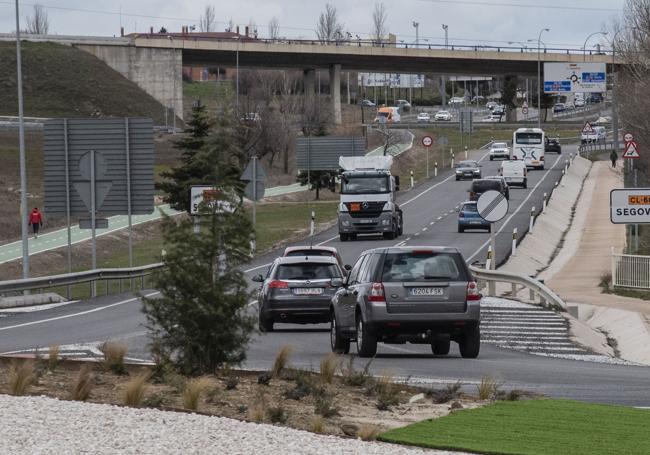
(534, 427)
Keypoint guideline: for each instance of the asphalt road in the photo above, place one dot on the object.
(430, 219)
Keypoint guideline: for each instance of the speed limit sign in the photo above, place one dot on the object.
(524, 110)
(427, 141)
(628, 137)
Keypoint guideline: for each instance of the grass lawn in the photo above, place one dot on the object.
(534, 427)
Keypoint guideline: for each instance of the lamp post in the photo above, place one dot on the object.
(445, 27)
(21, 138)
(584, 47)
(614, 94)
(539, 78)
(417, 46)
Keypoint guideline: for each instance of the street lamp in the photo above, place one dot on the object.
(584, 47)
(417, 46)
(539, 78)
(446, 29)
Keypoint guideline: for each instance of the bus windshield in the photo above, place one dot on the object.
(528, 138)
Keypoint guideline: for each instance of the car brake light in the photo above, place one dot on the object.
(472, 291)
(542, 158)
(278, 284)
(377, 293)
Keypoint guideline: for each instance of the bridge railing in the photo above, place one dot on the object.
(585, 150)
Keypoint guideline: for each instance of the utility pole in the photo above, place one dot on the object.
(539, 78)
(445, 27)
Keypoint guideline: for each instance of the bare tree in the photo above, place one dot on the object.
(207, 22)
(38, 24)
(274, 28)
(379, 16)
(329, 28)
(231, 26)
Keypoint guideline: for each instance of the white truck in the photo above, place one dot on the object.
(368, 202)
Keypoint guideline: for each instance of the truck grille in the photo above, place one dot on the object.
(365, 209)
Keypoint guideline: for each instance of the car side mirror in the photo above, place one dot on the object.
(337, 282)
(258, 278)
(347, 267)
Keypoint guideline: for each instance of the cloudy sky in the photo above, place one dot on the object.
(493, 22)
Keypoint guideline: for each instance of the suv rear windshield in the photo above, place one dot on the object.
(307, 271)
(481, 186)
(469, 208)
(423, 266)
(310, 253)
(499, 145)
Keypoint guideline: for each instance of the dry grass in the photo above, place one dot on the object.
(114, 352)
(488, 387)
(387, 392)
(257, 412)
(281, 360)
(134, 389)
(53, 357)
(194, 388)
(356, 378)
(368, 432)
(317, 425)
(83, 384)
(21, 376)
(328, 366)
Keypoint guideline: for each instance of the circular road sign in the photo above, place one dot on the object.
(427, 141)
(524, 110)
(492, 206)
(628, 137)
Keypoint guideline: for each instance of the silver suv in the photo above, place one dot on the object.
(423, 295)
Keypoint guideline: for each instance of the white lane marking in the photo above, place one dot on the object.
(524, 332)
(539, 343)
(439, 218)
(432, 223)
(416, 234)
(252, 303)
(43, 321)
(424, 229)
(505, 224)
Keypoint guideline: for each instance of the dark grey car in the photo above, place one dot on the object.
(422, 295)
(297, 290)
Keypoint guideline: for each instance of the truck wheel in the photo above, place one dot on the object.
(470, 343)
(392, 234)
(343, 237)
(489, 229)
(339, 344)
(461, 230)
(366, 340)
(440, 345)
(400, 229)
(525, 183)
(491, 158)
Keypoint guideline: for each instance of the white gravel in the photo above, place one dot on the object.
(40, 425)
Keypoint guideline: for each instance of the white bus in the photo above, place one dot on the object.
(528, 145)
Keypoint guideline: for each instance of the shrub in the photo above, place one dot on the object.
(317, 424)
(328, 366)
(324, 405)
(154, 401)
(232, 382)
(257, 412)
(83, 384)
(356, 378)
(385, 390)
(281, 360)
(277, 414)
(21, 376)
(134, 390)
(606, 282)
(53, 357)
(488, 387)
(114, 352)
(193, 390)
(368, 432)
(446, 394)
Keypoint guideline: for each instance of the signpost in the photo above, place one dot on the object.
(256, 177)
(587, 128)
(427, 141)
(575, 77)
(631, 150)
(524, 109)
(492, 206)
(630, 206)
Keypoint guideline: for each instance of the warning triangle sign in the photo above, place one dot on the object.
(587, 128)
(631, 150)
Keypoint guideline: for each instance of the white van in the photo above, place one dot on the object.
(514, 172)
(528, 146)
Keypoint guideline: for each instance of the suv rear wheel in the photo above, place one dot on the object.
(470, 343)
(440, 345)
(266, 325)
(366, 340)
(339, 344)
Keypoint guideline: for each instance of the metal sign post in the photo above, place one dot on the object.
(427, 141)
(492, 206)
(93, 208)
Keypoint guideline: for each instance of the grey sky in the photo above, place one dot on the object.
(493, 22)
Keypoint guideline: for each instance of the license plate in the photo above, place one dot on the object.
(474, 222)
(366, 221)
(308, 291)
(426, 291)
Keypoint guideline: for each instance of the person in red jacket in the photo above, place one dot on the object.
(36, 220)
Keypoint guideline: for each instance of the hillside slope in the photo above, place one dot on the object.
(62, 81)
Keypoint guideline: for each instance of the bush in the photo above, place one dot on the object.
(488, 388)
(368, 432)
(317, 424)
(328, 366)
(193, 390)
(257, 412)
(53, 357)
(83, 384)
(446, 394)
(134, 390)
(281, 360)
(114, 353)
(355, 378)
(277, 414)
(154, 401)
(21, 376)
(324, 405)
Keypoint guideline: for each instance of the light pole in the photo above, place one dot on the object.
(445, 27)
(417, 46)
(21, 139)
(614, 94)
(584, 47)
(539, 78)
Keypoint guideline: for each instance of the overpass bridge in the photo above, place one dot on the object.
(154, 61)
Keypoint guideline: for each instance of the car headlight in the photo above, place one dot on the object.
(345, 223)
(385, 222)
(476, 171)
(458, 171)
(342, 207)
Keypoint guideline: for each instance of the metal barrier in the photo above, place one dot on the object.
(595, 147)
(537, 289)
(630, 271)
(13, 287)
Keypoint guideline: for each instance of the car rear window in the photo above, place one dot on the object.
(499, 145)
(307, 271)
(423, 266)
(481, 186)
(470, 208)
(310, 253)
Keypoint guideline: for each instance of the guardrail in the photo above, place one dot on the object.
(630, 271)
(595, 147)
(13, 287)
(538, 291)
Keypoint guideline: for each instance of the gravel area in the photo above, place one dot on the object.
(40, 425)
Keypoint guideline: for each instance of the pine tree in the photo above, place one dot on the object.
(200, 320)
(317, 180)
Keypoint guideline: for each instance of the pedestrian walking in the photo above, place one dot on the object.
(613, 156)
(36, 220)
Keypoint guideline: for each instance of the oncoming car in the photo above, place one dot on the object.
(468, 170)
(444, 116)
(424, 117)
(499, 150)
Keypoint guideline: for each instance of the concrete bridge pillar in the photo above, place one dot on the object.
(335, 92)
(309, 83)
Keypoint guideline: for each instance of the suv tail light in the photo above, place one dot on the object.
(461, 214)
(542, 158)
(278, 284)
(472, 291)
(377, 293)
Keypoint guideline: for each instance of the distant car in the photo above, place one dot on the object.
(327, 251)
(456, 100)
(468, 218)
(367, 103)
(491, 105)
(480, 186)
(444, 116)
(297, 290)
(251, 117)
(499, 150)
(468, 170)
(403, 105)
(499, 109)
(514, 172)
(477, 98)
(597, 134)
(424, 117)
(552, 146)
(578, 102)
(503, 181)
(602, 120)
(559, 107)
(494, 118)
(596, 98)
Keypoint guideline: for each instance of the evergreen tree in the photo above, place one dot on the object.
(178, 180)
(200, 321)
(318, 180)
